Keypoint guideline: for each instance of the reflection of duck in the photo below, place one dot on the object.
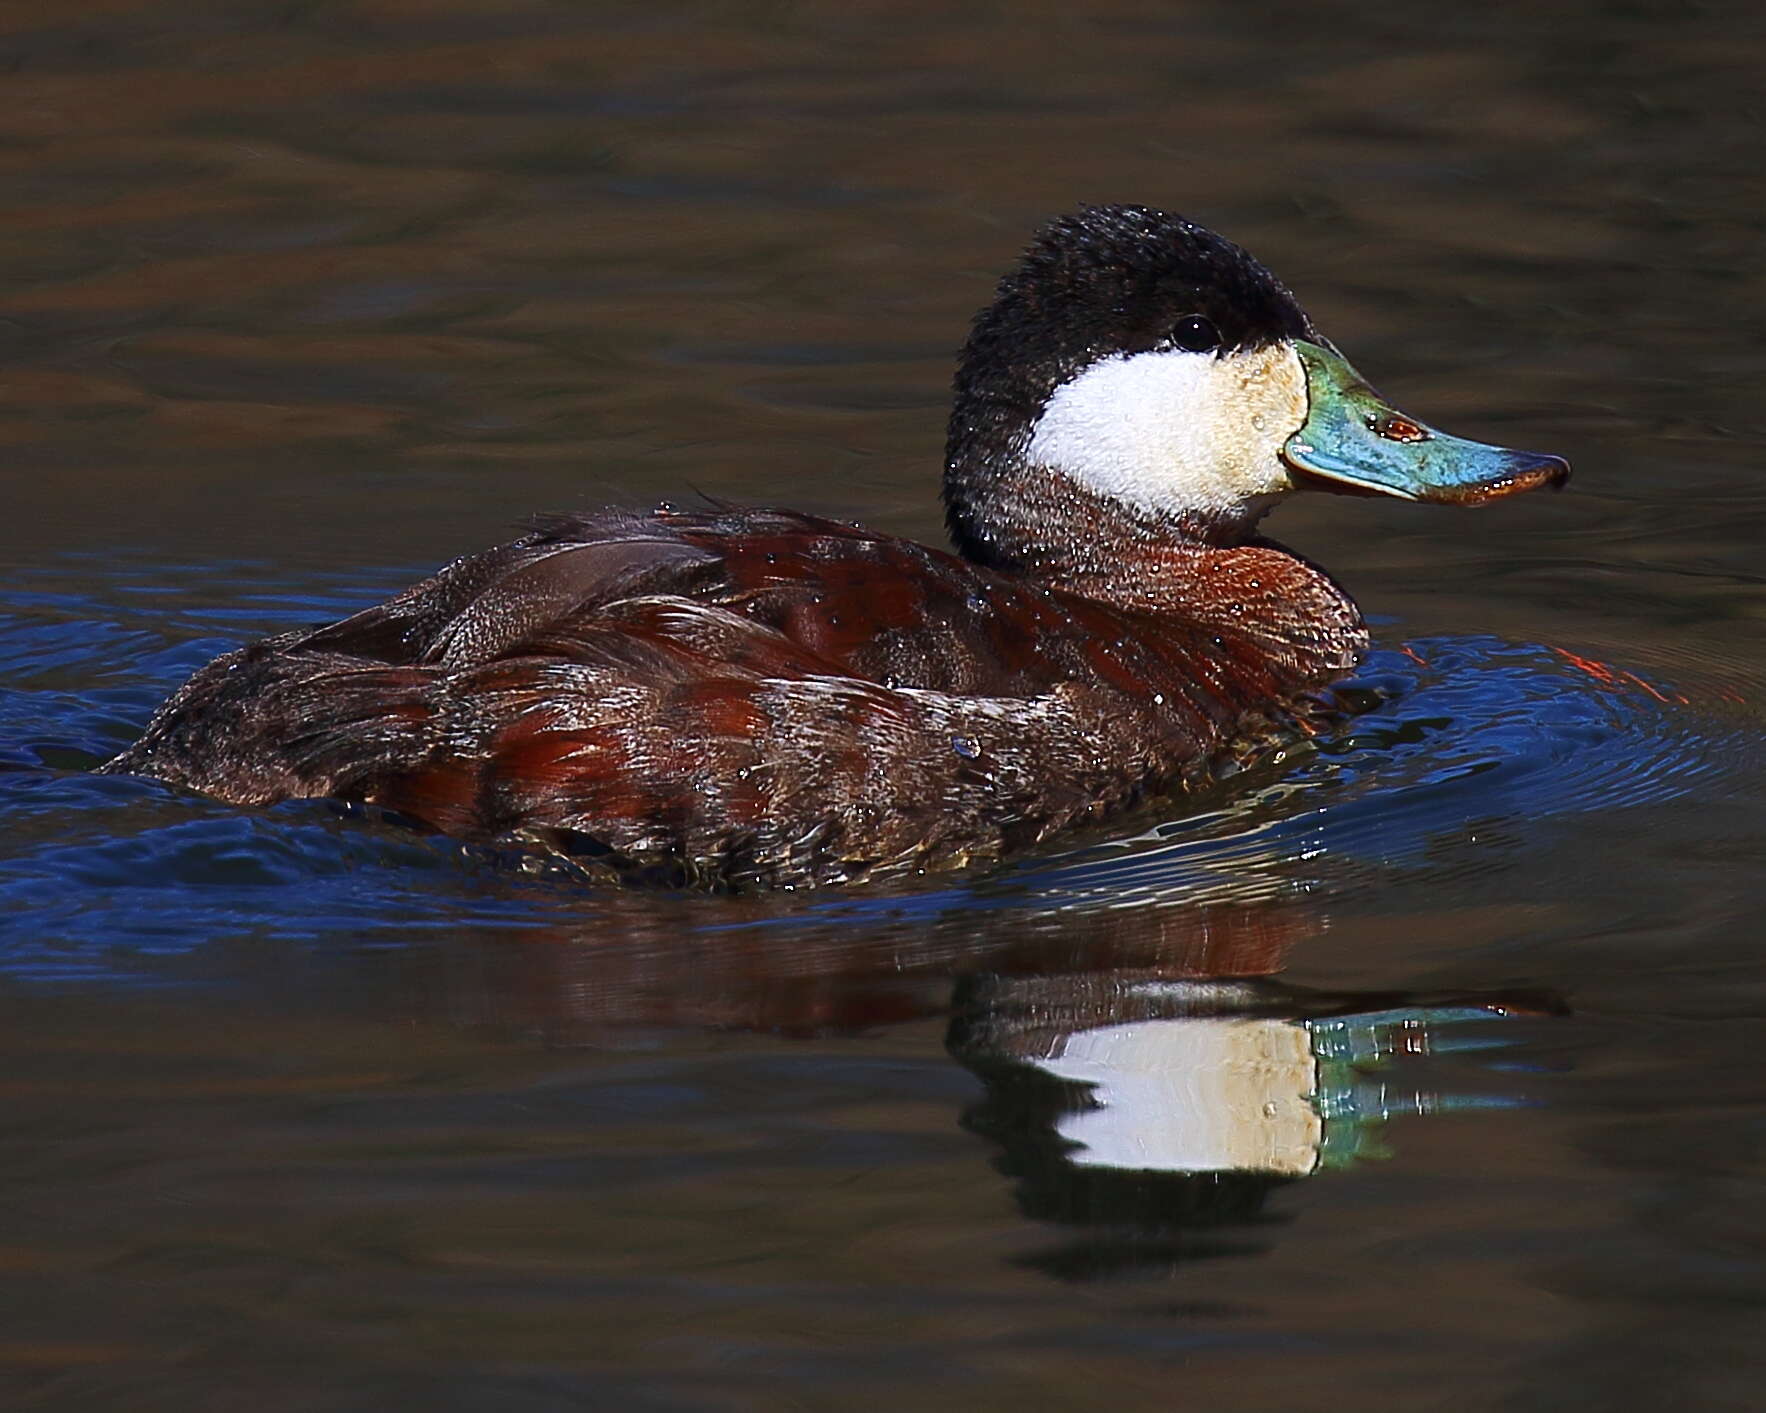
(735, 696)
(1152, 1105)
(637, 966)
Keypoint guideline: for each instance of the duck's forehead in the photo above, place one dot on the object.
(1124, 276)
(1249, 306)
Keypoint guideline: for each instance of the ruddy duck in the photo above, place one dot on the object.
(732, 697)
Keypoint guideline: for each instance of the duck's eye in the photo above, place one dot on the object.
(1195, 334)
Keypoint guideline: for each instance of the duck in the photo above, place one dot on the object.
(741, 698)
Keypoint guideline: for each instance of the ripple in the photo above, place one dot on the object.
(1463, 749)
(1464, 744)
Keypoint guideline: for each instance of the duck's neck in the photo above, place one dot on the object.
(1202, 572)
(1042, 525)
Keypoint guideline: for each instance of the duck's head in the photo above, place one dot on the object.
(1139, 368)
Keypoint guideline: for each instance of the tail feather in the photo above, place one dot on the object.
(262, 724)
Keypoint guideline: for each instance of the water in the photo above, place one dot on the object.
(305, 1111)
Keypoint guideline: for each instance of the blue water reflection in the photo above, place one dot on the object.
(1456, 741)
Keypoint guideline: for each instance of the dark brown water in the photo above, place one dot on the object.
(302, 1112)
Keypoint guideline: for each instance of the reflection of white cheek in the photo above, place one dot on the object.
(1193, 1096)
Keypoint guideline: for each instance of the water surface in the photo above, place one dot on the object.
(1420, 1067)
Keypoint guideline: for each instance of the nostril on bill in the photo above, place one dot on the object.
(1395, 427)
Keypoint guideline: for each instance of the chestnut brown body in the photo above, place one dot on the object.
(750, 696)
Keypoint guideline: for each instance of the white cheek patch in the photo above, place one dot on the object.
(1199, 1095)
(1173, 432)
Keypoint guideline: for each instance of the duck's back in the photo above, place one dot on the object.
(747, 695)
